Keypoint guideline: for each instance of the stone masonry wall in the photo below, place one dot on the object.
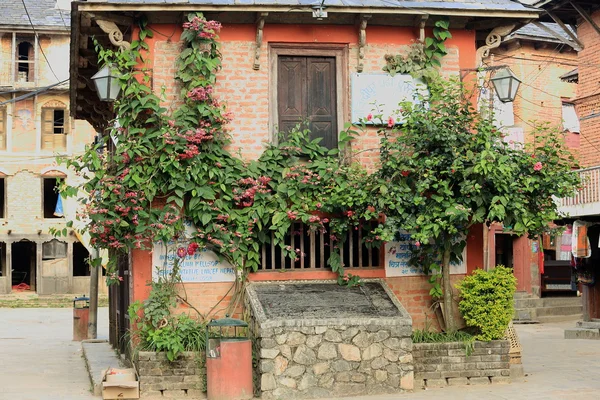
(325, 361)
(160, 378)
(441, 364)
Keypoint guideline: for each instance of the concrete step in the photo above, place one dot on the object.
(559, 310)
(559, 318)
(561, 301)
(588, 324)
(529, 303)
(525, 314)
(582, 333)
(522, 295)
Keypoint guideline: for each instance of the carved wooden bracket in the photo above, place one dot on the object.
(362, 40)
(420, 21)
(492, 41)
(260, 24)
(114, 33)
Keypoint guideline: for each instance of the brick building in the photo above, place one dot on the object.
(256, 42)
(539, 54)
(585, 205)
(35, 127)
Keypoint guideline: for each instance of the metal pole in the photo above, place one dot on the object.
(94, 274)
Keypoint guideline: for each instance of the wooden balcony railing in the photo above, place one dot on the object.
(586, 200)
(314, 247)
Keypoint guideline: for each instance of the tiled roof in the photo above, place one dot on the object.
(42, 12)
(533, 31)
(479, 5)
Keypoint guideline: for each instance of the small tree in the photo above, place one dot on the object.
(447, 168)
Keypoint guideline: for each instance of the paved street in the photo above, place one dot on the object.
(40, 362)
(556, 369)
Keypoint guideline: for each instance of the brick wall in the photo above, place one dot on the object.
(587, 92)
(245, 91)
(541, 92)
(441, 364)
(159, 378)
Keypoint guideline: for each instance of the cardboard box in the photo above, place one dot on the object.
(120, 384)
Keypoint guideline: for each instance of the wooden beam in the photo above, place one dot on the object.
(566, 29)
(585, 16)
(574, 45)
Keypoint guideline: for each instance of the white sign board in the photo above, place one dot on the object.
(203, 266)
(382, 94)
(397, 256)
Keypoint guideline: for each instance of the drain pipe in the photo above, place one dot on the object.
(486, 247)
(93, 319)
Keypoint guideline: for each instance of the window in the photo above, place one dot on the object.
(54, 128)
(308, 83)
(50, 199)
(3, 115)
(570, 118)
(54, 249)
(25, 59)
(2, 197)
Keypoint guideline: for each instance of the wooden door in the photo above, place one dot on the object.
(306, 92)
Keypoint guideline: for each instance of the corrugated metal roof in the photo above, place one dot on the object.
(481, 5)
(534, 31)
(42, 12)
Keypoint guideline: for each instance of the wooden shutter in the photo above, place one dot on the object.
(50, 140)
(47, 128)
(321, 100)
(306, 92)
(2, 128)
(291, 92)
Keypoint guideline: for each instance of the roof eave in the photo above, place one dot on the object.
(521, 14)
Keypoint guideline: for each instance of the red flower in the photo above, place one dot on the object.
(418, 244)
(538, 166)
(181, 252)
(391, 122)
(369, 117)
(371, 209)
(405, 173)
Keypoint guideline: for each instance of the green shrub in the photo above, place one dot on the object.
(487, 301)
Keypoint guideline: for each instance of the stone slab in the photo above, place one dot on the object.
(318, 303)
(99, 356)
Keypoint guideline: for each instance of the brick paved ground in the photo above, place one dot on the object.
(39, 362)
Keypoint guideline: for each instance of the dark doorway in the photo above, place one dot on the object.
(80, 260)
(504, 249)
(24, 263)
(50, 186)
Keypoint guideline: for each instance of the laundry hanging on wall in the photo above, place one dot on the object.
(580, 243)
(58, 210)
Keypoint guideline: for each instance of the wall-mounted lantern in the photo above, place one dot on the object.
(107, 83)
(506, 85)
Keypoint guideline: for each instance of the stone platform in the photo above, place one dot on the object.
(321, 340)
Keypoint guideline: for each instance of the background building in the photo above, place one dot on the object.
(35, 126)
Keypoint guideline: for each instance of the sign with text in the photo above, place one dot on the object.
(382, 94)
(202, 266)
(397, 256)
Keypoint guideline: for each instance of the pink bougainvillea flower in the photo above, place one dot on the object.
(369, 117)
(391, 122)
(181, 252)
(538, 166)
